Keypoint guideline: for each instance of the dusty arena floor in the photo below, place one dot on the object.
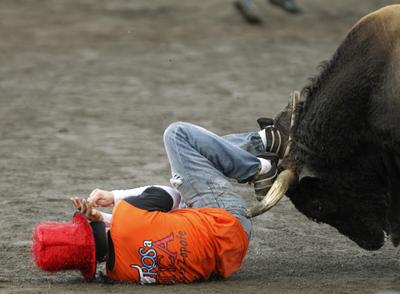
(87, 88)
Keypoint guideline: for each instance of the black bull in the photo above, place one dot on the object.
(346, 135)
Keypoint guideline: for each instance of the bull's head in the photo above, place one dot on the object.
(353, 206)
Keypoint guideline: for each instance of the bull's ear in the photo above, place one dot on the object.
(307, 173)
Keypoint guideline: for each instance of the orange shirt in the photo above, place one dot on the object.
(184, 245)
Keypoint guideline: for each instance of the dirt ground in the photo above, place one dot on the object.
(87, 88)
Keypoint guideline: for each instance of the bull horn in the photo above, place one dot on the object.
(283, 182)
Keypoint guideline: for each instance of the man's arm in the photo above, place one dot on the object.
(152, 198)
(122, 194)
(105, 198)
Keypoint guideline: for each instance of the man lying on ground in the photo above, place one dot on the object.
(150, 237)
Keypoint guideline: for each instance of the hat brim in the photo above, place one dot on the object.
(89, 269)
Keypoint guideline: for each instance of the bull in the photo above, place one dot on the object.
(343, 165)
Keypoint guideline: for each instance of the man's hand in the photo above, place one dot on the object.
(87, 210)
(100, 197)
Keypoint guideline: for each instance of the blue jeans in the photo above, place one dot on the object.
(202, 161)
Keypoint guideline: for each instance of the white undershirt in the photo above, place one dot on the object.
(122, 194)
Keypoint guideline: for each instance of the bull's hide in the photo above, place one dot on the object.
(347, 135)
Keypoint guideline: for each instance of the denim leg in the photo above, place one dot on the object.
(251, 142)
(200, 162)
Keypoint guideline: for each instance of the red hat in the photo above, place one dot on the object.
(65, 246)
